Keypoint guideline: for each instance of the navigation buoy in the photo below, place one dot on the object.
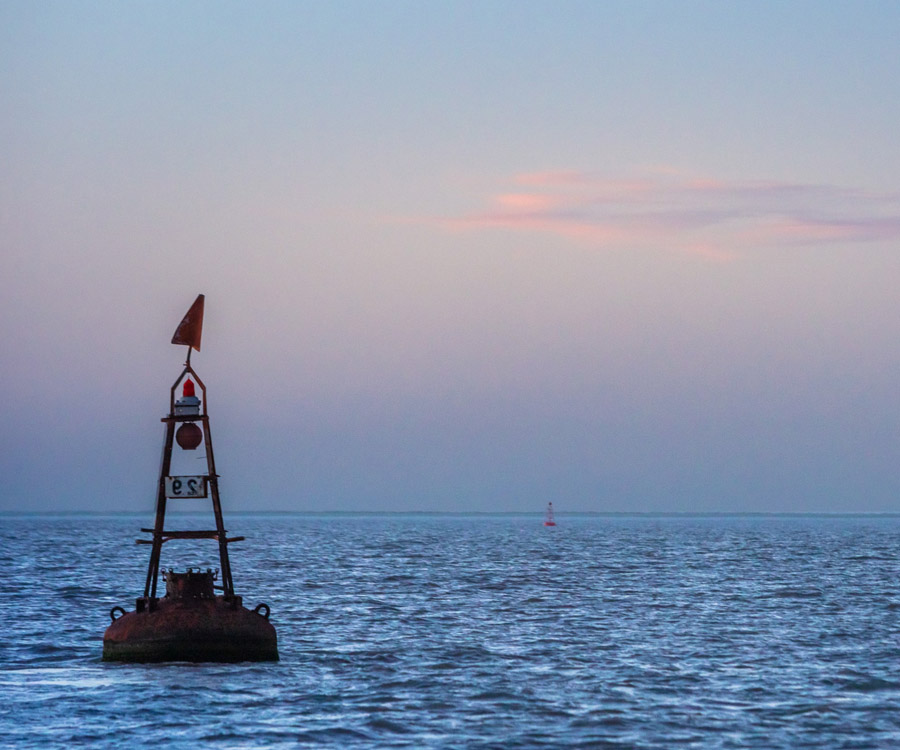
(191, 622)
(549, 520)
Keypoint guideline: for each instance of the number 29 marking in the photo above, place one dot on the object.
(186, 486)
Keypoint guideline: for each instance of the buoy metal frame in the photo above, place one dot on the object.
(191, 622)
(160, 535)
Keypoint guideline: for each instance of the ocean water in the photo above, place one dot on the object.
(472, 632)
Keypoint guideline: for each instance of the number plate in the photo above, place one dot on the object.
(186, 486)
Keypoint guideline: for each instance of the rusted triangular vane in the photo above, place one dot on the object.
(190, 328)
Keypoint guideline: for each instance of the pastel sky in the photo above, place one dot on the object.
(461, 256)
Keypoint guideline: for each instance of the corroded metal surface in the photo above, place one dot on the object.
(189, 436)
(191, 629)
(193, 584)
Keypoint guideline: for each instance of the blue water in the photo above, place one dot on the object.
(473, 632)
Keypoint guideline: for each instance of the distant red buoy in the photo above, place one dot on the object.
(549, 521)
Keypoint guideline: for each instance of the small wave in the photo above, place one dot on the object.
(808, 709)
(386, 725)
(224, 737)
(795, 593)
(870, 685)
(333, 733)
(495, 695)
(607, 719)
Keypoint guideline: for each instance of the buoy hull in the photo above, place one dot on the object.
(196, 630)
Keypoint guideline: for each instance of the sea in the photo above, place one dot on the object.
(471, 631)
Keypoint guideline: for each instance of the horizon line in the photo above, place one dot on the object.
(463, 513)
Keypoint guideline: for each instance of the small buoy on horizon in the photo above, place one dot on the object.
(549, 520)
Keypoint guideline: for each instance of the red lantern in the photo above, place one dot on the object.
(189, 436)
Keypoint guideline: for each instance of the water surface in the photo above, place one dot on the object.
(476, 632)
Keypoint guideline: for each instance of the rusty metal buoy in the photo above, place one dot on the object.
(192, 622)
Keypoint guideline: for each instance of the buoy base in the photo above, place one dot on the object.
(196, 630)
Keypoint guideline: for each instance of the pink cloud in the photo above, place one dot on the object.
(701, 216)
(525, 202)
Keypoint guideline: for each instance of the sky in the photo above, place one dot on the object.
(462, 256)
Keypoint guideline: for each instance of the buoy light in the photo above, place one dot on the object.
(188, 405)
(189, 435)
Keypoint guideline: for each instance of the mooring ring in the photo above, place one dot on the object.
(262, 610)
(112, 613)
